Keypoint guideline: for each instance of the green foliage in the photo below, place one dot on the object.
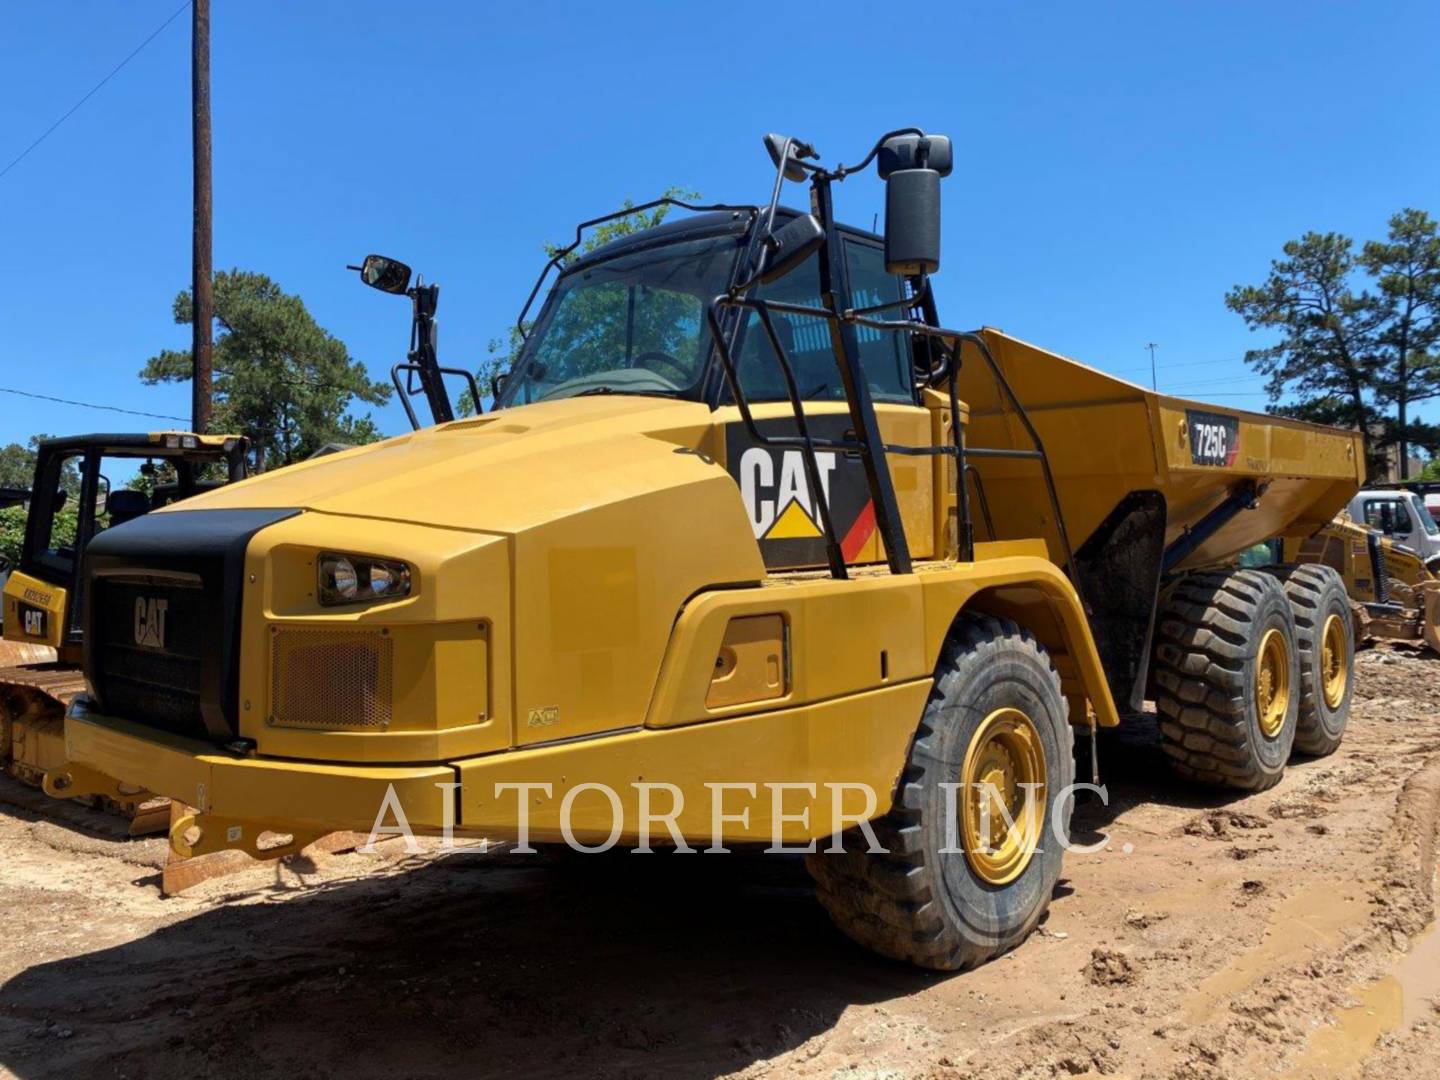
(163, 472)
(280, 378)
(12, 532)
(501, 353)
(1351, 356)
(1406, 270)
(17, 467)
(1431, 471)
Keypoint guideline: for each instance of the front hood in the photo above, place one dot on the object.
(504, 472)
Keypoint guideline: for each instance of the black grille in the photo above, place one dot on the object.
(151, 642)
(194, 562)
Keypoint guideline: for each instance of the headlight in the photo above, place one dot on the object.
(354, 579)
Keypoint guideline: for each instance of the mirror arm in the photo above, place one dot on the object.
(768, 244)
(842, 171)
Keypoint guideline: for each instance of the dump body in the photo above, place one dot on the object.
(1106, 438)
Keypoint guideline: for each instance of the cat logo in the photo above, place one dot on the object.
(782, 508)
(32, 621)
(150, 622)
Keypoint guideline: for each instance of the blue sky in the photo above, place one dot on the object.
(1121, 164)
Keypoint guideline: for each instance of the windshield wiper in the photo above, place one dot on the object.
(627, 393)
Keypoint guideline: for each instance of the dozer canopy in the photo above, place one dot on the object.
(73, 478)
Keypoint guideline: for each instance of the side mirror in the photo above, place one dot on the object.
(911, 166)
(387, 275)
(791, 245)
(775, 146)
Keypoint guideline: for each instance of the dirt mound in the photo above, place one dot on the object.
(1108, 967)
(1223, 824)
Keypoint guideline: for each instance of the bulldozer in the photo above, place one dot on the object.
(43, 594)
(1394, 591)
(749, 549)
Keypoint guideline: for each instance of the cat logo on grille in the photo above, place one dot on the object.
(150, 621)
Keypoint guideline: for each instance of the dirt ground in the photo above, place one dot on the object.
(1217, 936)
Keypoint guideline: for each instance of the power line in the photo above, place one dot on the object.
(94, 89)
(1241, 380)
(1204, 397)
(90, 405)
(1176, 364)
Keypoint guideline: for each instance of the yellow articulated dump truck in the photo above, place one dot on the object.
(750, 549)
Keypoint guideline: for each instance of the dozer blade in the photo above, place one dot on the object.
(1430, 625)
(33, 699)
(15, 653)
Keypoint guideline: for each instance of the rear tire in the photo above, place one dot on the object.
(1325, 638)
(925, 900)
(1227, 678)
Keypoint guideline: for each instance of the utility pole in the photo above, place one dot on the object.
(200, 281)
(1152, 346)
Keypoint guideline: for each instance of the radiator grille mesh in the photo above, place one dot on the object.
(331, 678)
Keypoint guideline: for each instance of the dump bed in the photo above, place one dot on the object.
(1107, 438)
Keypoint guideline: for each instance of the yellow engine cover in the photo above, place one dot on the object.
(34, 611)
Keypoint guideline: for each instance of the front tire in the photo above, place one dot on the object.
(949, 894)
(1227, 678)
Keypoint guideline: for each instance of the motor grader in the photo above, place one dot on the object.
(43, 595)
(750, 547)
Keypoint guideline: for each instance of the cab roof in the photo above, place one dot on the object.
(155, 442)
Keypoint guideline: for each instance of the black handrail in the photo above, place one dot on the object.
(407, 389)
(956, 448)
(974, 474)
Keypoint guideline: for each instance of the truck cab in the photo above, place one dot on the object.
(1402, 516)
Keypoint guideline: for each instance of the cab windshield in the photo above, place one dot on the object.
(631, 324)
(1422, 515)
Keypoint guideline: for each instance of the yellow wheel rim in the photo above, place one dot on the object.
(1272, 682)
(1002, 796)
(1334, 661)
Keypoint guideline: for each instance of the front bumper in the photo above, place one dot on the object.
(291, 796)
(856, 741)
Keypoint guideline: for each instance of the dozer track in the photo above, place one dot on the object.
(33, 699)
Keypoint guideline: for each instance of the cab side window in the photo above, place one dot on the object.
(884, 356)
(1387, 515)
(54, 516)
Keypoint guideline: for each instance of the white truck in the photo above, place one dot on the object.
(1402, 516)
